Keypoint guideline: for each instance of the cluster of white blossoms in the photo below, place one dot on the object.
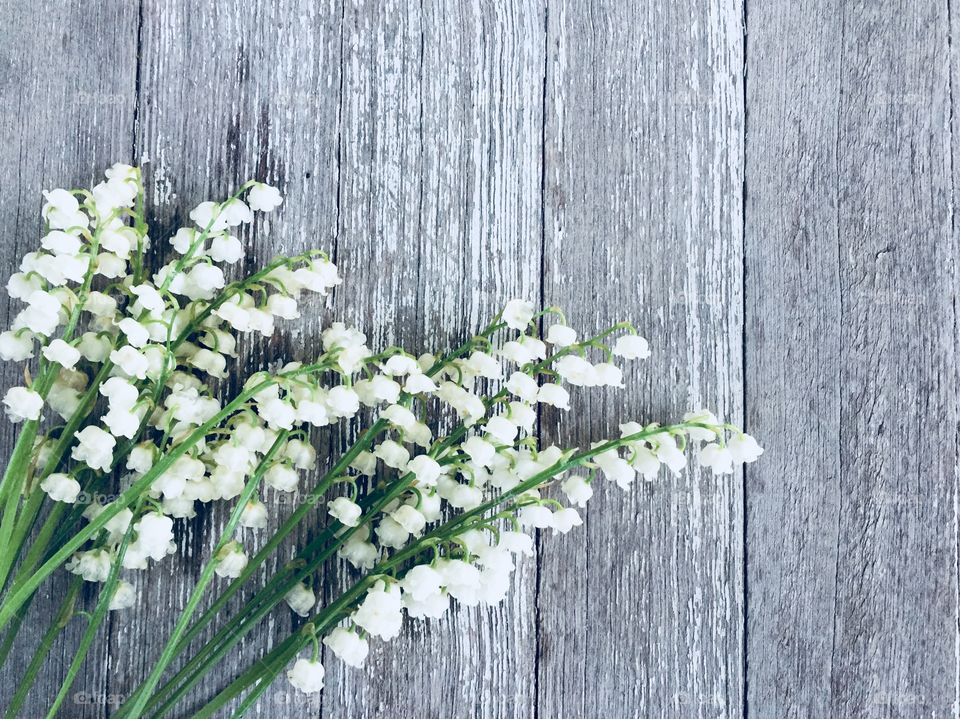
(459, 510)
(435, 502)
(148, 344)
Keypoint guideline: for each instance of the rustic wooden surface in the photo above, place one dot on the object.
(765, 189)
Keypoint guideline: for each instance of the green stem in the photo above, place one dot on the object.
(169, 650)
(271, 589)
(140, 224)
(274, 667)
(444, 531)
(46, 643)
(278, 658)
(312, 498)
(99, 614)
(267, 598)
(11, 634)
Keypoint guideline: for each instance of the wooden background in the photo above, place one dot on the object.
(764, 188)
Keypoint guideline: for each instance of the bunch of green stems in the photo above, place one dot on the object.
(65, 532)
(159, 700)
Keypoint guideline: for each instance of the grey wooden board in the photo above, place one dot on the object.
(851, 319)
(642, 200)
(770, 202)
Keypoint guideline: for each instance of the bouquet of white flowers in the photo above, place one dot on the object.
(434, 500)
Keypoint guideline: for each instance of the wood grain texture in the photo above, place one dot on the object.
(851, 362)
(793, 323)
(643, 223)
(898, 391)
(765, 190)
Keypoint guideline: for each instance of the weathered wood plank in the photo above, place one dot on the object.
(851, 362)
(66, 113)
(898, 385)
(792, 291)
(643, 177)
(440, 224)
